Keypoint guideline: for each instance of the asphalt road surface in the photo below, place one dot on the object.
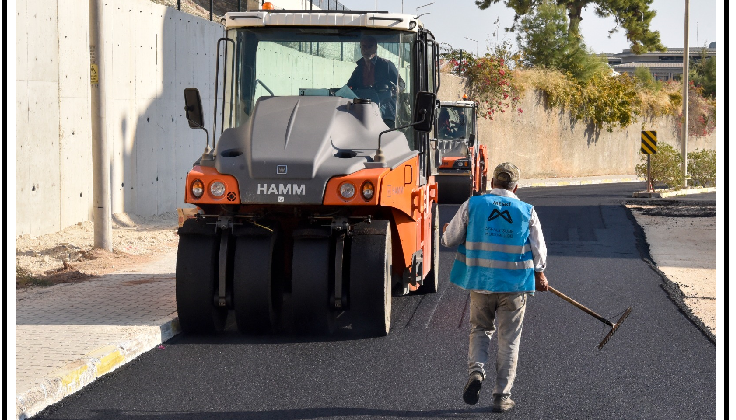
(657, 366)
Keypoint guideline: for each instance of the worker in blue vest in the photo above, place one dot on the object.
(501, 257)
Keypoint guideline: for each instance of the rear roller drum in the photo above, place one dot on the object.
(256, 290)
(197, 262)
(370, 280)
(310, 283)
(454, 189)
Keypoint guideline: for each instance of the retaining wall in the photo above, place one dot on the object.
(545, 142)
(151, 53)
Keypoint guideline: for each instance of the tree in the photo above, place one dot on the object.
(632, 15)
(545, 42)
(644, 78)
(703, 73)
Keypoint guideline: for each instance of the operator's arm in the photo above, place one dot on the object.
(355, 78)
(454, 233)
(539, 251)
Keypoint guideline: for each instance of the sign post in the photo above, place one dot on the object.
(649, 147)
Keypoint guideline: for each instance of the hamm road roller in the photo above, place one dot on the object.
(462, 170)
(318, 198)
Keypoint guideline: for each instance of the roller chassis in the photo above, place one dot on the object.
(305, 259)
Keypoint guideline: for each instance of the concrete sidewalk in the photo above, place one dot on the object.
(69, 335)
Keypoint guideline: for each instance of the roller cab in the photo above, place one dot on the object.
(461, 159)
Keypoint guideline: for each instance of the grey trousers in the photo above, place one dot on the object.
(507, 310)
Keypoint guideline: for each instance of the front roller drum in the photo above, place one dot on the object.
(370, 279)
(454, 189)
(310, 282)
(197, 267)
(257, 287)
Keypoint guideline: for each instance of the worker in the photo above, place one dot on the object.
(379, 76)
(444, 126)
(460, 129)
(501, 258)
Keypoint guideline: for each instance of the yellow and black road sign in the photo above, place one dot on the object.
(649, 142)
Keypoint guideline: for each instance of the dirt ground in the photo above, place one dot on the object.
(69, 256)
(682, 243)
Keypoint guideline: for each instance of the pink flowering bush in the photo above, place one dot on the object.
(488, 80)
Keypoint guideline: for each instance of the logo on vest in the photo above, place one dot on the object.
(503, 214)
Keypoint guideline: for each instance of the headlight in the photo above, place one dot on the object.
(462, 163)
(347, 190)
(217, 189)
(367, 190)
(197, 188)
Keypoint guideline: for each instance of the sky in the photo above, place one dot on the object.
(454, 21)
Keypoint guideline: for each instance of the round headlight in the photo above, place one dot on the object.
(347, 190)
(367, 190)
(197, 188)
(217, 189)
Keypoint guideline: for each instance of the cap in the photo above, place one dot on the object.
(507, 172)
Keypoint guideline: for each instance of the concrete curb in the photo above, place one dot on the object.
(95, 364)
(576, 181)
(664, 194)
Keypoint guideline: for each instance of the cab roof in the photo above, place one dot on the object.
(467, 104)
(331, 18)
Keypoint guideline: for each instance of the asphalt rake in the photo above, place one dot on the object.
(614, 326)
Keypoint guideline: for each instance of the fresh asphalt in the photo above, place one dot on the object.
(658, 365)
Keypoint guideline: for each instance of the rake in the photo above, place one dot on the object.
(614, 326)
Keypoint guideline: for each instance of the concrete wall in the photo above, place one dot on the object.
(152, 53)
(546, 142)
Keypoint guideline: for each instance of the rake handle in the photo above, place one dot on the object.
(580, 306)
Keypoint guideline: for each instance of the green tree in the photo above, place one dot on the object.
(703, 73)
(644, 78)
(545, 42)
(633, 16)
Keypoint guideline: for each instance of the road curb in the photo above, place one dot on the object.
(562, 183)
(95, 364)
(664, 194)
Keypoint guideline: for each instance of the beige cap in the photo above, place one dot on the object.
(507, 172)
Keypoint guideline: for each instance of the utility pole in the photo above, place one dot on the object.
(100, 158)
(685, 91)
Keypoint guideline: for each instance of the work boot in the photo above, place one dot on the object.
(472, 388)
(502, 403)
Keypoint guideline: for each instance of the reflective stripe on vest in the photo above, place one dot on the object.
(496, 256)
(506, 265)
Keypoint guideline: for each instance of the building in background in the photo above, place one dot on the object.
(664, 66)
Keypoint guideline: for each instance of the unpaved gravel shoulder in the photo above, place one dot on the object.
(69, 255)
(682, 243)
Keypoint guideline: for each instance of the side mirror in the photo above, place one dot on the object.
(471, 140)
(193, 108)
(424, 111)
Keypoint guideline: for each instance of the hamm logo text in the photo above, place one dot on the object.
(282, 189)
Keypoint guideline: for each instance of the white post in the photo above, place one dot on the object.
(685, 91)
(101, 161)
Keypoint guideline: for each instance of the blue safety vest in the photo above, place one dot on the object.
(496, 255)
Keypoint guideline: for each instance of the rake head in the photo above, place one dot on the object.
(614, 328)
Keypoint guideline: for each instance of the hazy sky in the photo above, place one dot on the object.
(452, 21)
